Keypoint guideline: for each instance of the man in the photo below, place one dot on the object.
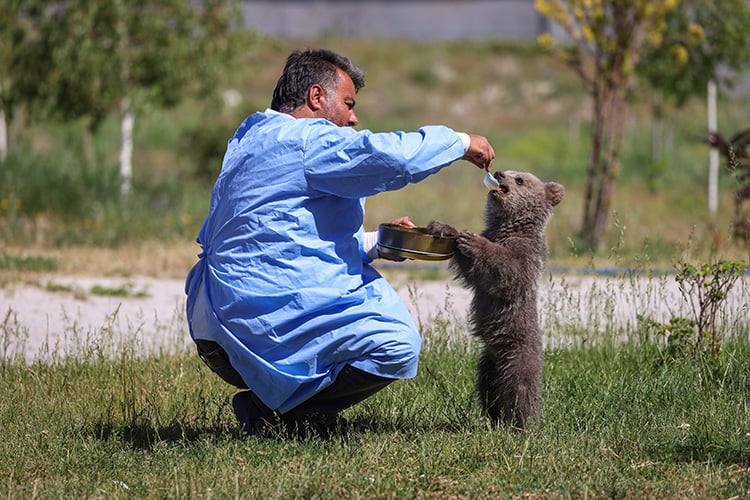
(283, 299)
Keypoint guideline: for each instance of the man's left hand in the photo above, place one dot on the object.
(401, 221)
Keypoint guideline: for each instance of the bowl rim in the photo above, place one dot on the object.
(414, 254)
(422, 242)
(416, 230)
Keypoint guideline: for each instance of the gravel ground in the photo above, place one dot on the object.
(68, 315)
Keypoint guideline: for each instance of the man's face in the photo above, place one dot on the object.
(339, 103)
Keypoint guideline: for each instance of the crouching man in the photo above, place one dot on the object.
(283, 301)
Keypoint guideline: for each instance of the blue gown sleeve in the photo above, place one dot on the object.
(345, 162)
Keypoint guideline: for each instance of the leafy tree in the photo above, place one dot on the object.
(85, 59)
(704, 40)
(608, 40)
(63, 67)
(17, 28)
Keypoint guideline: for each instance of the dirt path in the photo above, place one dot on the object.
(62, 314)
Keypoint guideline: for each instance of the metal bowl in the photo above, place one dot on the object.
(414, 243)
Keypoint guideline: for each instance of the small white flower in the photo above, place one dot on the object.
(683, 426)
(121, 485)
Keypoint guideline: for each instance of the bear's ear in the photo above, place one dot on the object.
(555, 192)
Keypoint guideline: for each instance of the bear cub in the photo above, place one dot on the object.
(502, 267)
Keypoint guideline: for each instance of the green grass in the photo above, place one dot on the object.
(126, 290)
(618, 422)
(26, 263)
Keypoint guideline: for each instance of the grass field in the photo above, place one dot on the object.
(622, 422)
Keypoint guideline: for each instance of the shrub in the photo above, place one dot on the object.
(705, 289)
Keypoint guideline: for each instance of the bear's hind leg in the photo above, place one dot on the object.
(487, 386)
(504, 395)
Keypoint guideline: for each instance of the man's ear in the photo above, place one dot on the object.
(315, 96)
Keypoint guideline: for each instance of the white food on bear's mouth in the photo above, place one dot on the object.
(491, 182)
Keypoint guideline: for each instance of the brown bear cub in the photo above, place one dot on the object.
(502, 266)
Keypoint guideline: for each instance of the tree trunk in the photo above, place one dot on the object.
(87, 145)
(606, 143)
(657, 131)
(126, 148)
(592, 180)
(713, 153)
(3, 136)
(3, 131)
(126, 108)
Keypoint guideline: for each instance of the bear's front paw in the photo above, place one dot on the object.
(437, 228)
(471, 243)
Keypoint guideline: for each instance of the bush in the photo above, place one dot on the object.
(55, 183)
(64, 201)
(705, 289)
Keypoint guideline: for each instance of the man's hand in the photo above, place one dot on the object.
(401, 221)
(480, 152)
(404, 220)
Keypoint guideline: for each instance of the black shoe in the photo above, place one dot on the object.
(255, 418)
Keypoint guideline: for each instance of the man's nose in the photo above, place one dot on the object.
(353, 120)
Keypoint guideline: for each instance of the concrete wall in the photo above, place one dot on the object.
(419, 20)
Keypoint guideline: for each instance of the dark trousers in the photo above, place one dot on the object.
(350, 387)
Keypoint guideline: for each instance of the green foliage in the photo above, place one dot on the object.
(425, 76)
(703, 39)
(127, 290)
(26, 263)
(64, 201)
(55, 184)
(81, 58)
(17, 33)
(203, 149)
(705, 289)
(531, 108)
(680, 334)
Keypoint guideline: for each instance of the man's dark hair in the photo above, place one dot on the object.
(305, 68)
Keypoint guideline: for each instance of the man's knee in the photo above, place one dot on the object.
(351, 386)
(397, 357)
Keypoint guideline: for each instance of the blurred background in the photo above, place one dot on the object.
(115, 117)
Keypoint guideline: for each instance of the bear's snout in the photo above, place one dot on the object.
(502, 182)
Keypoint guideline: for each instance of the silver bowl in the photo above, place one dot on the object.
(414, 243)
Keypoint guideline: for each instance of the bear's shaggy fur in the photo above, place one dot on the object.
(502, 267)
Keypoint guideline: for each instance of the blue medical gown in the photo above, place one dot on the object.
(283, 283)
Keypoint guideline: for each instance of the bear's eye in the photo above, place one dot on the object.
(519, 181)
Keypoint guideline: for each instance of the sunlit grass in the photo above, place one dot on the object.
(623, 421)
(623, 416)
